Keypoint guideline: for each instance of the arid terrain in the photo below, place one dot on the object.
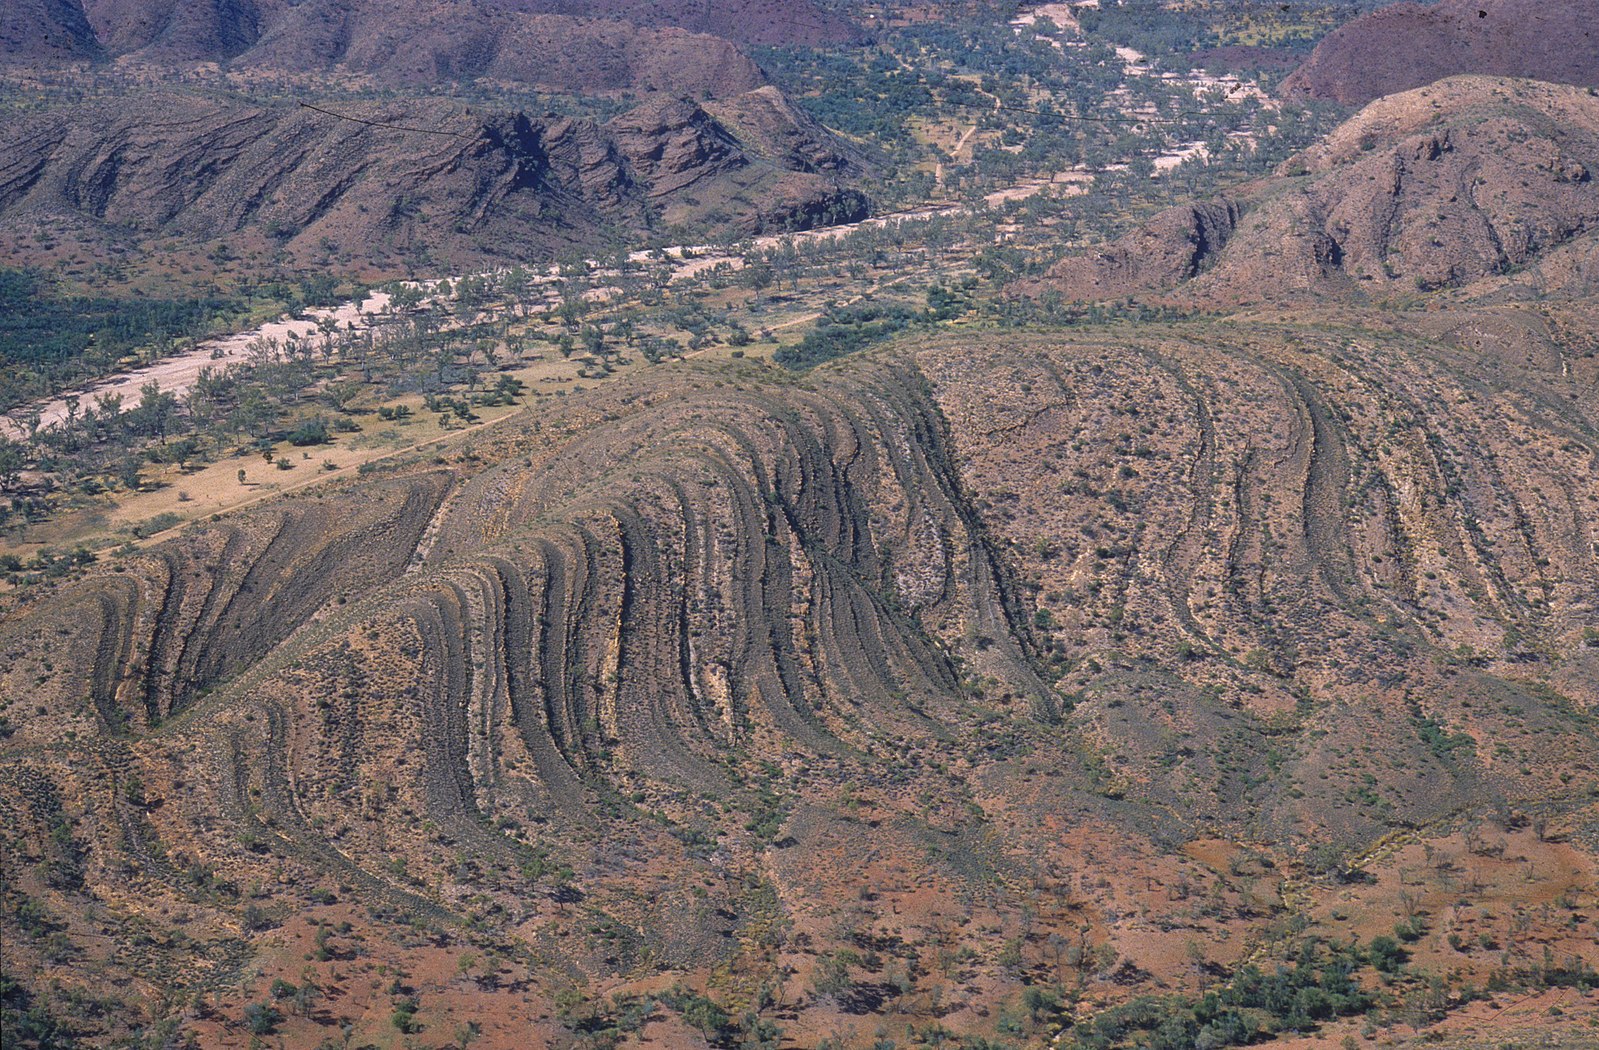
(309, 183)
(1142, 605)
(553, 43)
(1480, 183)
(1409, 45)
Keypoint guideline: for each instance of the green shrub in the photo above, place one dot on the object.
(311, 432)
(151, 526)
(261, 1018)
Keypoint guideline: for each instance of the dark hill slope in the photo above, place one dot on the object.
(1439, 187)
(402, 44)
(425, 42)
(676, 45)
(491, 186)
(177, 30)
(47, 31)
(773, 22)
(200, 170)
(1408, 45)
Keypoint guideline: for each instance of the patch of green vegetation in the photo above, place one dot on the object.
(1150, 26)
(47, 564)
(28, 1022)
(1440, 741)
(52, 338)
(699, 1011)
(49, 340)
(842, 332)
(159, 523)
(1317, 985)
(311, 432)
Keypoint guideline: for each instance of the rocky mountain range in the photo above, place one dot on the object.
(988, 661)
(378, 180)
(1194, 646)
(554, 45)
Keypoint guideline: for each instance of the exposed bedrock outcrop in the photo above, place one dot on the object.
(1469, 180)
(1161, 567)
(464, 184)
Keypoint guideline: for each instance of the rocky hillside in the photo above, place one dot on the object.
(557, 45)
(1173, 247)
(461, 184)
(660, 682)
(1222, 681)
(1471, 183)
(773, 22)
(405, 47)
(49, 31)
(1407, 45)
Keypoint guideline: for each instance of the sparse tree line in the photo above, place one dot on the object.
(467, 332)
(299, 389)
(52, 341)
(1044, 102)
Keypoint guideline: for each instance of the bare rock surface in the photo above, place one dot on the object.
(1169, 249)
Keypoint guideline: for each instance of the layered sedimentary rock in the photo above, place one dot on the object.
(376, 181)
(1018, 594)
